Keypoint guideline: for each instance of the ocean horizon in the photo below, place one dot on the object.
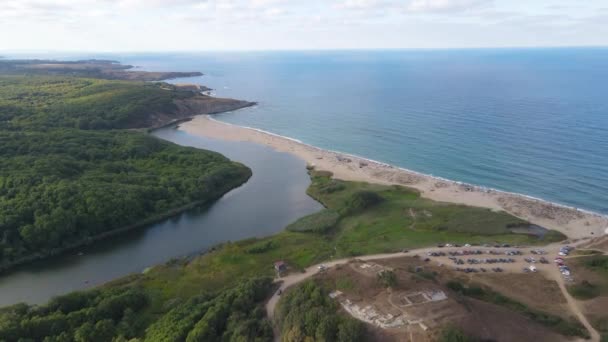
(524, 120)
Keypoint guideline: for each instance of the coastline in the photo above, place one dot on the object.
(574, 223)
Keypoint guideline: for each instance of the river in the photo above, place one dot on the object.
(271, 199)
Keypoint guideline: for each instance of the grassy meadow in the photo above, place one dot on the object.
(385, 226)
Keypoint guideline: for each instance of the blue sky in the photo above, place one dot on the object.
(193, 25)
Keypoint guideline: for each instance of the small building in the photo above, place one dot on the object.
(280, 266)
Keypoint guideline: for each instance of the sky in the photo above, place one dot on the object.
(201, 25)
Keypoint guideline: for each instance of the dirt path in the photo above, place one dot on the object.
(576, 310)
(549, 269)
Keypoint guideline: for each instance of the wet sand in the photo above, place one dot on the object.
(574, 223)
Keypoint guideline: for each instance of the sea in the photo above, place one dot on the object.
(530, 121)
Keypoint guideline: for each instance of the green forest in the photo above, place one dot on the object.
(308, 314)
(46, 102)
(133, 313)
(62, 184)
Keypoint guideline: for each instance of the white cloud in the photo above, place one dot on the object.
(434, 6)
(254, 24)
(364, 4)
(265, 3)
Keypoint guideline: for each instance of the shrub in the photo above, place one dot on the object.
(387, 278)
(362, 200)
(308, 314)
(331, 187)
(454, 334)
(262, 247)
(598, 263)
(323, 174)
(320, 222)
(584, 290)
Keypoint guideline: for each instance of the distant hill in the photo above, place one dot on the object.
(96, 68)
(92, 104)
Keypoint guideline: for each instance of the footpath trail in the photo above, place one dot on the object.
(550, 270)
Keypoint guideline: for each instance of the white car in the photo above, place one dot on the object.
(467, 245)
(322, 267)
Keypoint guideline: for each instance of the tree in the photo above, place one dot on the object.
(387, 278)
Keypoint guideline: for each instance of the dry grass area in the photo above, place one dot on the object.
(409, 298)
(594, 295)
(532, 289)
(596, 311)
(494, 323)
(600, 244)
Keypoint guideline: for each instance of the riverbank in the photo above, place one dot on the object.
(70, 247)
(574, 223)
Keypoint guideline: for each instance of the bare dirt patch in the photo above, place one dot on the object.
(419, 306)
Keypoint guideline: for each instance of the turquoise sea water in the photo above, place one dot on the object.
(532, 121)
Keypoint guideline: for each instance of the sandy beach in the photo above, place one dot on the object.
(574, 223)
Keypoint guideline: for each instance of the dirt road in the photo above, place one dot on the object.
(550, 270)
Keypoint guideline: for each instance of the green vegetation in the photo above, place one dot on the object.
(237, 261)
(387, 278)
(378, 218)
(123, 313)
(597, 264)
(558, 324)
(307, 313)
(66, 179)
(42, 103)
(595, 270)
(586, 252)
(385, 227)
(262, 247)
(361, 200)
(321, 222)
(62, 185)
(454, 334)
(584, 290)
(81, 316)
(92, 68)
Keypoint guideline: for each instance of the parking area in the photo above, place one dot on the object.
(499, 258)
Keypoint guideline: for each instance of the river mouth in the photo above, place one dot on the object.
(272, 198)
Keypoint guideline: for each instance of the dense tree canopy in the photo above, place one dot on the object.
(62, 183)
(123, 313)
(62, 186)
(307, 313)
(44, 102)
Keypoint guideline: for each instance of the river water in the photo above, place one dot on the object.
(271, 199)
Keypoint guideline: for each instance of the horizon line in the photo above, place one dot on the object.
(514, 47)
